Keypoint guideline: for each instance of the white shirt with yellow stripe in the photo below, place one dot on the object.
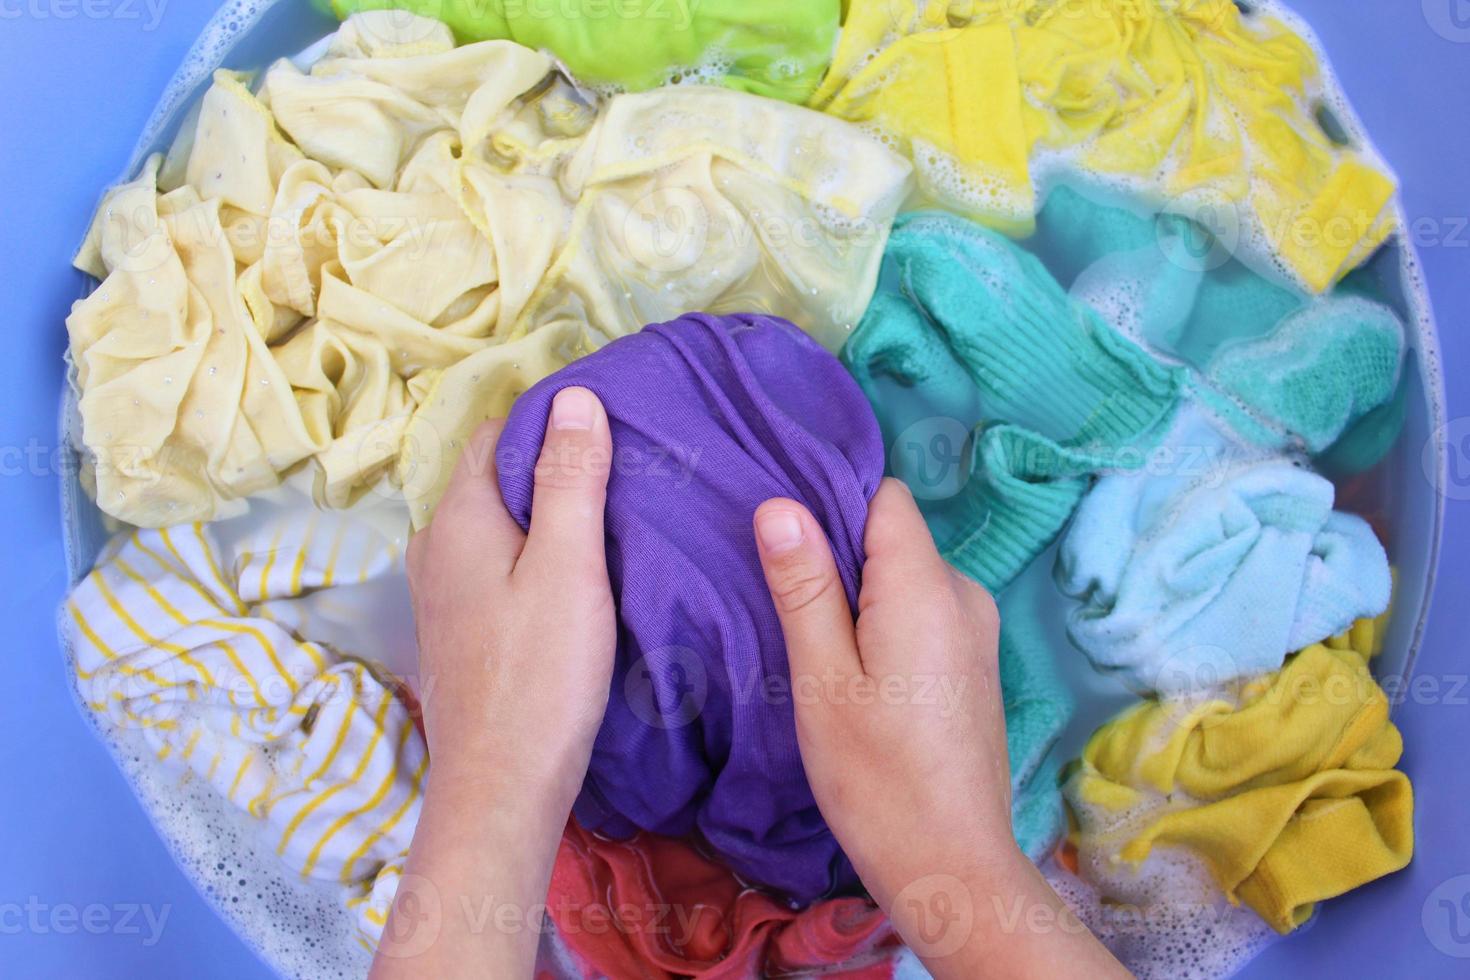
(224, 646)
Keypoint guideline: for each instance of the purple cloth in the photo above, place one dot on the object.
(710, 417)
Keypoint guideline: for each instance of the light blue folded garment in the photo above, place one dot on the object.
(1213, 561)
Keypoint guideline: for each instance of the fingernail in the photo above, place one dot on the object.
(573, 408)
(779, 530)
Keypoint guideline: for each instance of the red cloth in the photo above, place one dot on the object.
(652, 907)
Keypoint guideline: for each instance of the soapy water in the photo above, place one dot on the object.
(1177, 924)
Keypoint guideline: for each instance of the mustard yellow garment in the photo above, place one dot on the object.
(1188, 98)
(1285, 786)
(315, 256)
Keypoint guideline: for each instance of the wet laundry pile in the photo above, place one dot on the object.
(1088, 278)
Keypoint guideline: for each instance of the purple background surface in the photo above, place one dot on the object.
(83, 76)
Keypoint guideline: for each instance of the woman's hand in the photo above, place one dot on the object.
(902, 734)
(516, 631)
(516, 634)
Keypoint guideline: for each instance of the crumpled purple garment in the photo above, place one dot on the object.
(710, 417)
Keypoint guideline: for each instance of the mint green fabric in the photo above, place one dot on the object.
(1318, 373)
(1037, 709)
(1163, 280)
(1186, 298)
(976, 329)
(775, 48)
(968, 328)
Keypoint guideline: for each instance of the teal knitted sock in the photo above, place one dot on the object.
(1290, 371)
(964, 317)
(1188, 297)
(1318, 373)
(1037, 709)
(967, 330)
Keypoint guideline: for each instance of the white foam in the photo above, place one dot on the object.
(301, 928)
(1176, 928)
(220, 35)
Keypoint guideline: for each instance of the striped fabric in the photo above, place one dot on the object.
(199, 636)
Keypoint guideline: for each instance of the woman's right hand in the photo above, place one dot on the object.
(902, 734)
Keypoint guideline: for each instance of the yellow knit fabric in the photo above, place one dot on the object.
(314, 256)
(1185, 98)
(1285, 786)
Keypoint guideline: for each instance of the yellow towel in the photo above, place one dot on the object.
(1285, 785)
(1189, 99)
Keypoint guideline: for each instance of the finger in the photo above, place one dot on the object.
(570, 488)
(471, 516)
(982, 615)
(810, 601)
(903, 573)
(901, 558)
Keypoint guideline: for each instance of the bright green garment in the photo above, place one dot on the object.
(775, 48)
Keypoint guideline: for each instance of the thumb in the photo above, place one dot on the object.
(810, 602)
(570, 493)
